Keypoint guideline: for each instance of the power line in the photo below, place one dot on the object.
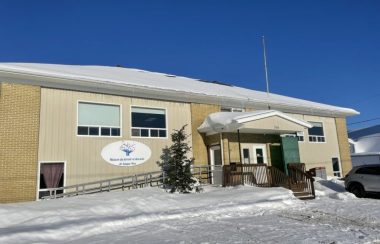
(363, 121)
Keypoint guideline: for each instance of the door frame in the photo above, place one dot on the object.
(39, 172)
(253, 147)
(212, 161)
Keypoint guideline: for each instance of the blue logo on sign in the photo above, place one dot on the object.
(127, 148)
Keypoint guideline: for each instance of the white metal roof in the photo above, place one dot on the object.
(140, 83)
(232, 121)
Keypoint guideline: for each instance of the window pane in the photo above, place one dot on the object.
(259, 156)
(225, 109)
(94, 131)
(335, 163)
(82, 130)
(144, 133)
(106, 131)
(162, 133)
(317, 129)
(135, 132)
(98, 114)
(115, 131)
(148, 118)
(154, 133)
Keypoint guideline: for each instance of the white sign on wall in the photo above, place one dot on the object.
(126, 153)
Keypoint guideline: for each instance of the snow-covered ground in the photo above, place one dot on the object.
(217, 215)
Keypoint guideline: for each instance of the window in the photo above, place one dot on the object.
(336, 167)
(98, 119)
(51, 176)
(300, 136)
(226, 109)
(148, 122)
(370, 170)
(316, 133)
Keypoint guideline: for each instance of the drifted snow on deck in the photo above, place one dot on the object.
(218, 215)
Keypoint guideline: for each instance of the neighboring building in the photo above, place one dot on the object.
(62, 125)
(365, 145)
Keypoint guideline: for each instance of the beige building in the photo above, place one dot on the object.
(63, 125)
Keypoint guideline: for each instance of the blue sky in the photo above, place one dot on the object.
(325, 51)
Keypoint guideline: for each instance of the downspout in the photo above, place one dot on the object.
(238, 133)
(221, 147)
(241, 165)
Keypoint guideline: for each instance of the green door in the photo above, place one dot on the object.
(276, 157)
(290, 151)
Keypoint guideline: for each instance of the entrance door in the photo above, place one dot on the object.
(253, 153)
(216, 165)
(51, 176)
(290, 151)
(276, 157)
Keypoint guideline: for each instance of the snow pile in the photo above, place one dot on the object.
(217, 215)
(332, 188)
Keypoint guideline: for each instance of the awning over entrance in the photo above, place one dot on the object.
(259, 122)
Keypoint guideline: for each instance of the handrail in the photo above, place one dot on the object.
(203, 172)
(301, 180)
(131, 181)
(269, 176)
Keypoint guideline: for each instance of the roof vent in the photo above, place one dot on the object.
(215, 82)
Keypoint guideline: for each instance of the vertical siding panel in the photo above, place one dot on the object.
(82, 154)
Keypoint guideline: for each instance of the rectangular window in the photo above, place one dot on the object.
(148, 122)
(227, 109)
(51, 176)
(300, 135)
(96, 119)
(336, 167)
(316, 133)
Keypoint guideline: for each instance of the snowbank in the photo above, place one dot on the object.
(218, 215)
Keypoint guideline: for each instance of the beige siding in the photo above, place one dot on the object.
(319, 154)
(59, 142)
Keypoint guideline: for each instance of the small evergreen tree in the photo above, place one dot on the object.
(176, 165)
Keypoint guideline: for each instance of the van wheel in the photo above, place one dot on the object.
(358, 190)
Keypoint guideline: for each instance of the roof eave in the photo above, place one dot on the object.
(89, 85)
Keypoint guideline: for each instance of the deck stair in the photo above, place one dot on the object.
(298, 181)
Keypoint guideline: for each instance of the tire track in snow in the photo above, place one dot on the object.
(314, 216)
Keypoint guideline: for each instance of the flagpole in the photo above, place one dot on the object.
(265, 65)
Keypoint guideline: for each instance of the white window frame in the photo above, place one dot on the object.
(315, 136)
(146, 128)
(296, 136)
(340, 168)
(233, 109)
(100, 127)
(39, 172)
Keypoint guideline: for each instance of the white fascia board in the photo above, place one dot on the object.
(271, 114)
(114, 88)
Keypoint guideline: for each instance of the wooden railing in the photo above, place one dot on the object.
(254, 174)
(229, 175)
(300, 181)
(268, 176)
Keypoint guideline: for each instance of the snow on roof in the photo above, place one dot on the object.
(356, 134)
(225, 121)
(365, 154)
(115, 78)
